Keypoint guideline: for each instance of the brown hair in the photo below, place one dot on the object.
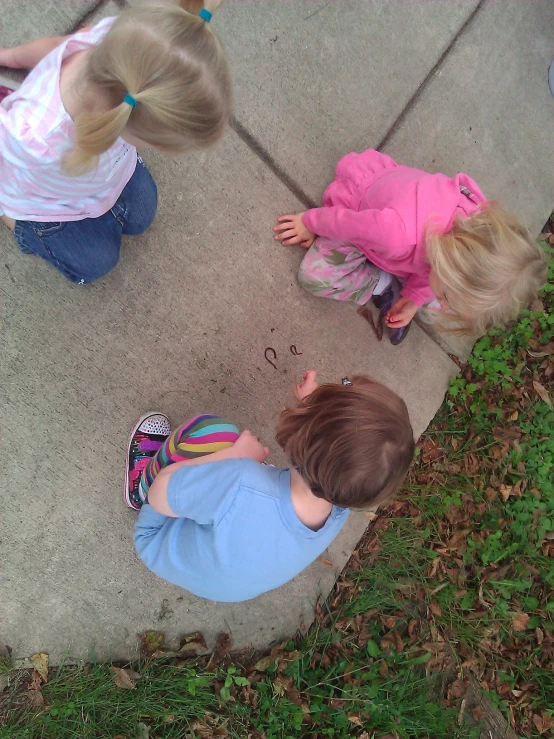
(489, 268)
(352, 444)
(172, 63)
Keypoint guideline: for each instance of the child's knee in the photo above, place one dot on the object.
(88, 272)
(144, 205)
(311, 277)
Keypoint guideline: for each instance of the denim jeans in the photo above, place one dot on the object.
(85, 250)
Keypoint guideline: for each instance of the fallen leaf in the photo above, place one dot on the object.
(506, 491)
(125, 679)
(263, 663)
(538, 355)
(36, 681)
(40, 663)
(368, 316)
(195, 638)
(36, 698)
(202, 731)
(520, 621)
(371, 515)
(435, 608)
(151, 641)
(354, 718)
(543, 393)
(478, 713)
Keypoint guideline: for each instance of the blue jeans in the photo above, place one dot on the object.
(85, 250)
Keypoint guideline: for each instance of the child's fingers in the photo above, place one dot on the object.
(283, 226)
(283, 234)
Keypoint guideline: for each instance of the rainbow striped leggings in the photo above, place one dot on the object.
(200, 436)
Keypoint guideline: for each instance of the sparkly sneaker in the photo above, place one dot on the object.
(147, 436)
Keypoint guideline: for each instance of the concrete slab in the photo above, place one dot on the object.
(489, 112)
(181, 325)
(26, 20)
(315, 80)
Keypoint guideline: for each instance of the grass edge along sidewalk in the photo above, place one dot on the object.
(453, 583)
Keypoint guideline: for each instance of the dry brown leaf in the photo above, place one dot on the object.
(538, 355)
(478, 713)
(202, 730)
(151, 641)
(543, 393)
(371, 515)
(265, 662)
(36, 698)
(40, 663)
(125, 679)
(520, 621)
(506, 491)
(435, 608)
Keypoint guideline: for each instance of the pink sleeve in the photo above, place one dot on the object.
(383, 229)
(417, 289)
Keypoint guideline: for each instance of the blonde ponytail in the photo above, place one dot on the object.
(172, 63)
(95, 133)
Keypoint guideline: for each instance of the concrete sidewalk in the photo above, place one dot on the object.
(182, 323)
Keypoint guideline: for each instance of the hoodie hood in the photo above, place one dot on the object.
(440, 199)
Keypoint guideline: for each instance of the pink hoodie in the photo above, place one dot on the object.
(383, 209)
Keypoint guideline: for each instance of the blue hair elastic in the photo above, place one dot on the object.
(205, 15)
(130, 100)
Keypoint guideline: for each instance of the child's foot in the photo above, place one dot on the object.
(384, 302)
(147, 436)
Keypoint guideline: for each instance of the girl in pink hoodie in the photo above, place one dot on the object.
(408, 238)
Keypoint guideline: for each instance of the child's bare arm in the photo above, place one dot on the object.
(247, 445)
(29, 55)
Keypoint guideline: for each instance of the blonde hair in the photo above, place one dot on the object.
(489, 267)
(352, 444)
(171, 62)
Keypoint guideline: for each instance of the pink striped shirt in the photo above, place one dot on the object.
(36, 132)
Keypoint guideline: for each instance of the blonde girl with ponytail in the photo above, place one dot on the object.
(71, 182)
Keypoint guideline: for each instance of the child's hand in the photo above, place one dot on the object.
(247, 445)
(401, 313)
(291, 230)
(307, 386)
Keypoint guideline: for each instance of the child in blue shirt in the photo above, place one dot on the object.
(227, 527)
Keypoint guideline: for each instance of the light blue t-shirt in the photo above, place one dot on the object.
(237, 534)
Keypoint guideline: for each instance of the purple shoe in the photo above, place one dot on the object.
(384, 302)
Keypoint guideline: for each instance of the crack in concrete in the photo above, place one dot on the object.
(424, 85)
(262, 153)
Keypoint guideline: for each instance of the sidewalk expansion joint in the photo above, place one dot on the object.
(423, 86)
(262, 153)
